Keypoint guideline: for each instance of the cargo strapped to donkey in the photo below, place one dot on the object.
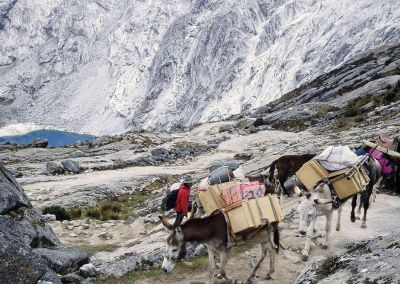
(250, 212)
(345, 182)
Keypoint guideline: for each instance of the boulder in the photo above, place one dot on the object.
(72, 278)
(28, 228)
(71, 166)
(54, 168)
(88, 270)
(76, 154)
(39, 143)
(12, 196)
(63, 260)
(18, 264)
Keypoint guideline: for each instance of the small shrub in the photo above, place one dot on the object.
(93, 213)
(60, 212)
(75, 213)
(258, 122)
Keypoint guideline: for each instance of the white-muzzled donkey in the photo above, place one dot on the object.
(312, 205)
(213, 231)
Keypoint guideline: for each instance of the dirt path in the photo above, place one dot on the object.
(382, 219)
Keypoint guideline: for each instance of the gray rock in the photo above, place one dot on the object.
(330, 115)
(227, 128)
(18, 264)
(76, 154)
(201, 250)
(71, 166)
(63, 260)
(88, 270)
(27, 228)
(39, 143)
(367, 106)
(12, 196)
(49, 217)
(54, 168)
(72, 278)
(160, 154)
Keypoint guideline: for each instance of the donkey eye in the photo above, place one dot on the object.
(174, 250)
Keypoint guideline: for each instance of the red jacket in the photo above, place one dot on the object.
(182, 201)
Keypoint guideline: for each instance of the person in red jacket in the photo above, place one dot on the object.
(182, 205)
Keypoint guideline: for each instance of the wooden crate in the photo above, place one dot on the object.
(346, 187)
(250, 214)
(310, 173)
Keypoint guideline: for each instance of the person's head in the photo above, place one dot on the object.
(188, 181)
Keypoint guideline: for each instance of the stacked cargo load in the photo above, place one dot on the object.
(242, 202)
(338, 166)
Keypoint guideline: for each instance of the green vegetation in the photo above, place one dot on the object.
(160, 182)
(60, 212)
(92, 249)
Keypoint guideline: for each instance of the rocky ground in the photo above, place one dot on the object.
(130, 172)
(118, 248)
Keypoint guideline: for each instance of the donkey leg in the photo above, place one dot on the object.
(282, 183)
(325, 242)
(353, 206)
(339, 214)
(366, 206)
(271, 252)
(310, 232)
(263, 254)
(224, 259)
(211, 264)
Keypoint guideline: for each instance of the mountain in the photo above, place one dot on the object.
(105, 66)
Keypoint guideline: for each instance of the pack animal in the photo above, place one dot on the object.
(374, 174)
(286, 167)
(312, 205)
(213, 231)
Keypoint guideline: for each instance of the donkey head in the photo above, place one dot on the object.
(175, 246)
(308, 208)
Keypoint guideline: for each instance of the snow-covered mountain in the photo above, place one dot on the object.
(104, 66)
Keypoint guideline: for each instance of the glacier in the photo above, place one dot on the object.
(107, 66)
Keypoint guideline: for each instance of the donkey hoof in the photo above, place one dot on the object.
(363, 225)
(337, 228)
(324, 246)
(352, 219)
(249, 281)
(220, 275)
(304, 257)
(267, 276)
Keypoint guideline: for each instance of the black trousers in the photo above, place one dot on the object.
(179, 216)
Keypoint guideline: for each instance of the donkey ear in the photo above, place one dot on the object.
(298, 191)
(322, 201)
(166, 223)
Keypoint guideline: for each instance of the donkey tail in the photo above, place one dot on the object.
(271, 171)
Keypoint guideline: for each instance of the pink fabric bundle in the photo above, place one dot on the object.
(385, 163)
(235, 191)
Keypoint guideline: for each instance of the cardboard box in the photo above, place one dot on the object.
(250, 214)
(211, 200)
(310, 173)
(346, 187)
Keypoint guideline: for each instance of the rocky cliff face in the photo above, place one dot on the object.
(29, 249)
(105, 66)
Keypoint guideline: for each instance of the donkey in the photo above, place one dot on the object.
(311, 206)
(374, 174)
(287, 166)
(213, 231)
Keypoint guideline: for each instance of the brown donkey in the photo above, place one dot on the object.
(287, 166)
(213, 231)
